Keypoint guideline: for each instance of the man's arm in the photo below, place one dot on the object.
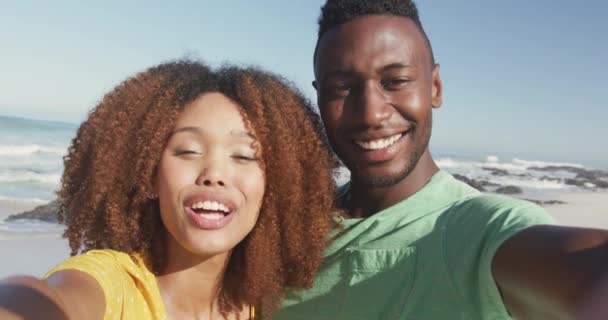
(68, 294)
(552, 272)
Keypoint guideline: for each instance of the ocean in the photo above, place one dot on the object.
(31, 163)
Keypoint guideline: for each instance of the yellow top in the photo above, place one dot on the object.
(130, 289)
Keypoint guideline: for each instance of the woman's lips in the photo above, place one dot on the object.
(209, 220)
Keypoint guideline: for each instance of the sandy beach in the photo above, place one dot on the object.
(582, 209)
(32, 256)
(36, 255)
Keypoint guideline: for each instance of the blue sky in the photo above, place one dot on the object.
(521, 78)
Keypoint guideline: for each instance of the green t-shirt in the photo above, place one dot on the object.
(427, 257)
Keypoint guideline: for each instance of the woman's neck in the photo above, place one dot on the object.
(189, 284)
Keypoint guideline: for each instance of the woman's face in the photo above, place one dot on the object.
(210, 181)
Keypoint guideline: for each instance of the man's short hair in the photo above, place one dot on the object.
(337, 12)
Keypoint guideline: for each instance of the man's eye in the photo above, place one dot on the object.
(341, 87)
(394, 83)
(338, 89)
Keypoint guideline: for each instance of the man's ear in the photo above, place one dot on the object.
(437, 89)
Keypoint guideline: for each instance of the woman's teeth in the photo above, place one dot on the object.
(210, 206)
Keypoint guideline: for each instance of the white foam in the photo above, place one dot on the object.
(517, 172)
(532, 163)
(25, 228)
(52, 179)
(23, 200)
(532, 183)
(28, 150)
(449, 163)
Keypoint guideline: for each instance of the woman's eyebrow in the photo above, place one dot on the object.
(195, 130)
(242, 134)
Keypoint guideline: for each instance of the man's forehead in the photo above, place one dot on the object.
(375, 40)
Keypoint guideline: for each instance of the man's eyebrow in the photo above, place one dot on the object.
(396, 65)
(346, 73)
(335, 73)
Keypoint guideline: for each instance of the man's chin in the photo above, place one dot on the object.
(372, 180)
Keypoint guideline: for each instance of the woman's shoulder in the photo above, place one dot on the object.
(119, 275)
(107, 266)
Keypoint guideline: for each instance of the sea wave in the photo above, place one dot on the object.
(514, 172)
(30, 150)
(25, 228)
(544, 164)
(27, 201)
(31, 177)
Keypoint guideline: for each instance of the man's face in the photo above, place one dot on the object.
(376, 87)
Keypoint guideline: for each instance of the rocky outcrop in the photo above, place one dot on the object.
(496, 171)
(583, 178)
(47, 212)
(471, 182)
(545, 202)
(487, 186)
(509, 190)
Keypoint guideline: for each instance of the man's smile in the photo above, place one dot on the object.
(377, 144)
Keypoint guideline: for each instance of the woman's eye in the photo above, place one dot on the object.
(180, 152)
(244, 158)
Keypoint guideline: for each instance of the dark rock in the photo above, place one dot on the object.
(545, 202)
(581, 173)
(47, 212)
(509, 190)
(575, 182)
(471, 182)
(496, 171)
(547, 178)
(583, 177)
(575, 170)
(582, 183)
(485, 183)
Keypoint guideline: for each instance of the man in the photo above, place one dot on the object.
(416, 243)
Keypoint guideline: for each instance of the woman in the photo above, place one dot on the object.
(191, 194)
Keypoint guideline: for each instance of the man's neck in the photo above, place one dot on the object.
(366, 201)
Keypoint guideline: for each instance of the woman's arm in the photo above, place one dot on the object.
(67, 294)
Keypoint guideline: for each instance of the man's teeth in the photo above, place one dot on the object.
(211, 206)
(378, 143)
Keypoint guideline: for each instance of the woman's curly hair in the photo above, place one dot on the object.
(107, 186)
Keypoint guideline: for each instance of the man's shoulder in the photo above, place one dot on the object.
(492, 201)
(496, 211)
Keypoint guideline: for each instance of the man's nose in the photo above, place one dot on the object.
(372, 107)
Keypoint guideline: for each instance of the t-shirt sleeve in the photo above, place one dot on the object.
(103, 266)
(476, 229)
